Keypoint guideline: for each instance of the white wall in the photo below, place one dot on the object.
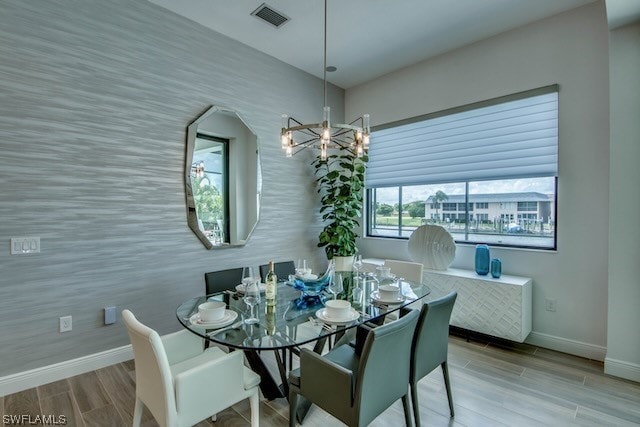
(569, 49)
(623, 339)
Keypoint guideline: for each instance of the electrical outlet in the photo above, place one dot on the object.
(65, 324)
(550, 304)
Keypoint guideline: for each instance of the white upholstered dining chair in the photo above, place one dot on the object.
(180, 383)
(408, 270)
(411, 271)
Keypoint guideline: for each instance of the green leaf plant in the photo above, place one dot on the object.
(340, 181)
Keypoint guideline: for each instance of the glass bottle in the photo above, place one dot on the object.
(271, 286)
(270, 320)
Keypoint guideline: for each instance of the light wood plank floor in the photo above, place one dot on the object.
(494, 384)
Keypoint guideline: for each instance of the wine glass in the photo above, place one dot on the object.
(251, 298)
(357, 264)
(335, 285)
(248, 275)
(301, 268)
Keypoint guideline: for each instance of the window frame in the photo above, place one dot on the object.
(225, 142)
(369, 215)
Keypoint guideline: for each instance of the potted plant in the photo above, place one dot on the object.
(340, 180)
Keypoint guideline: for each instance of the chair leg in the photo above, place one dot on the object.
(293, 408)
(414, 403)
(447, 383)
(407, 411)
(254, 404)
(137, 413)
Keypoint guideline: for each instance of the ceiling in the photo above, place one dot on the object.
(366, 38)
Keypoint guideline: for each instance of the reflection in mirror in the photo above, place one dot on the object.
(222, 178)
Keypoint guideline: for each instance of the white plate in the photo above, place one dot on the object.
(375, 296)
(307, 276)
(322, 315)
(227, 319)
(240, 288)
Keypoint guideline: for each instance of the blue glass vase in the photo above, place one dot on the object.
(482, 259)
(496, 268)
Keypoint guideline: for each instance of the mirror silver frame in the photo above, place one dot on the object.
(192, 216)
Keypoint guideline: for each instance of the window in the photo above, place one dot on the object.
(498, 156)
(528, 206)
(211, 186)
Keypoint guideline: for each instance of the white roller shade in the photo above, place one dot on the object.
(513, 139)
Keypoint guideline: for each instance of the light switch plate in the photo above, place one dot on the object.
(25, 245)
(109, 315)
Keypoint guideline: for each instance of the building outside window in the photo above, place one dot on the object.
(498, 156)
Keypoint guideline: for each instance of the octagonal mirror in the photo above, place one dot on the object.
(222, 178)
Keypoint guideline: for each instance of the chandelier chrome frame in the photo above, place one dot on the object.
(297, 136)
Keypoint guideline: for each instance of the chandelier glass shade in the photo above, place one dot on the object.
(297, 136)
(197, 169)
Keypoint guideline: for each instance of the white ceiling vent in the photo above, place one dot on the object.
(270, 15)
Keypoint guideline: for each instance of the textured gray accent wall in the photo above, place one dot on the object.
(95, 97)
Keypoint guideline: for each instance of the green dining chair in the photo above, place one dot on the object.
(356, 384)
(430, 347)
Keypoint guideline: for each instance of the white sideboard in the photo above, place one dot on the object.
(497, 307)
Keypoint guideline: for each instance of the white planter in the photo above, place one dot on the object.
(343, 263)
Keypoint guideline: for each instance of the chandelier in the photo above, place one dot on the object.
(354, 136)
(197, 169)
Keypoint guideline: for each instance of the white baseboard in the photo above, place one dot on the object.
(24, 380)
(622, 369)
(577, 348)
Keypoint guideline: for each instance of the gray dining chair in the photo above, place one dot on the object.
(282, 270)
(356, 384)
(221, 280)
(430, 346)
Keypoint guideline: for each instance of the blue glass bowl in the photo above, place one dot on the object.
(311, 286)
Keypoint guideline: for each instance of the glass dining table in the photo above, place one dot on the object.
(294, 321)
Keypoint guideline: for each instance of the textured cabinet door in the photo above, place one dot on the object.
(498, 307)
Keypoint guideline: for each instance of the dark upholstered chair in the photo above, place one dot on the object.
(430, 345)
(356, 384)
(218, 281)
(282, 269)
